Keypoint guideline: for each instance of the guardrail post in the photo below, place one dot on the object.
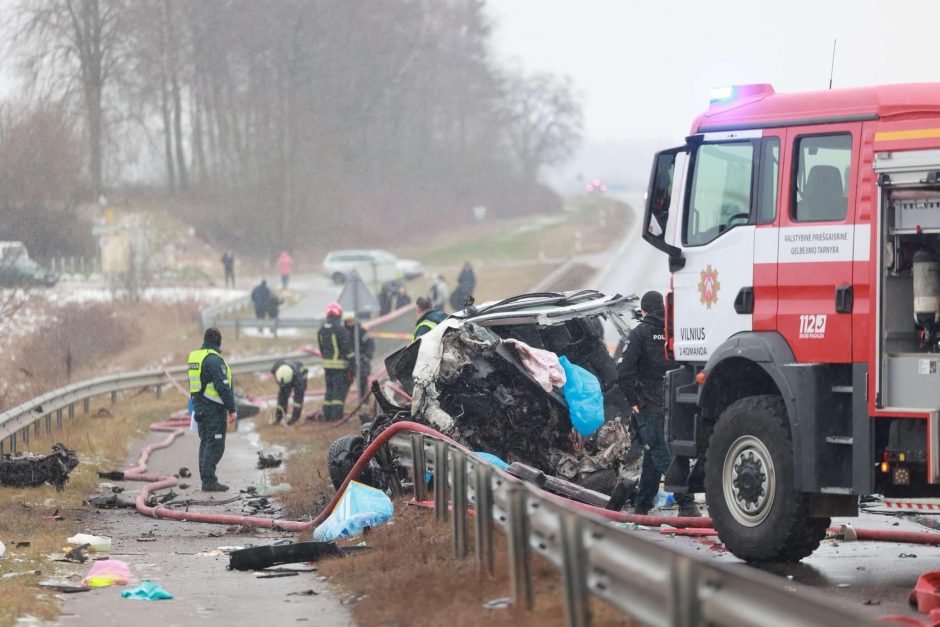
(238, 327)
(158, 390)
(573, 574)
(440, 480)
(58, 418)
(13, 442)
(684, 601)
(26, 435)
(459, 497)
(86, 404)
(36, 428)
(520, 575)
(420, 467)
(274, 328)
(484, 518)
(48, 423)
(71, 410)
(113, 397)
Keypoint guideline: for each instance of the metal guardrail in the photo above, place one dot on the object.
(36, 413)
(39, 410)
(212, 316)
(646, 580)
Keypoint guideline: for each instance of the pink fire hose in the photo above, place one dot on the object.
(176, 428)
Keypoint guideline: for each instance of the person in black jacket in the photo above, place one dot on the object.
(291, 376)
(210, 387)
(642, 370)
(366, 350)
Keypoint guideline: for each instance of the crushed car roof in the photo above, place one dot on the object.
(546, 308)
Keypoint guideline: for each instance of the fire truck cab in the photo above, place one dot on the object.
(803, 239)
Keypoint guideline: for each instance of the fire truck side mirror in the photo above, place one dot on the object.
(659, 201)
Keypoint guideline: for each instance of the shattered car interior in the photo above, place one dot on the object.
(483, 378)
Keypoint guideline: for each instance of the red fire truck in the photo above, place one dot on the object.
(803, 239)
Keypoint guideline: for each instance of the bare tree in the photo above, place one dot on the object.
(76, 46)
(544, 121)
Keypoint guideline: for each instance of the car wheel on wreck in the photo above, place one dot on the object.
(343, 455)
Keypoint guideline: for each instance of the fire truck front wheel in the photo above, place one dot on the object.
(749, 484)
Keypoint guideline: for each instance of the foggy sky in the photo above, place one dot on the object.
(645, 68)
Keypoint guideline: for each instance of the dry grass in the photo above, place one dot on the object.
(102, 443)
(410, 577)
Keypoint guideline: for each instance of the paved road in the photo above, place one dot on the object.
(205, 591)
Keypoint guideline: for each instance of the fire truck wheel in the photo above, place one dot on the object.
(749, 485)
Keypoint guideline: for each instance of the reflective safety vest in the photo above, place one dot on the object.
(195, 375)
(427, 324)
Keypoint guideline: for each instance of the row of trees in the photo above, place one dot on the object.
(282, 121)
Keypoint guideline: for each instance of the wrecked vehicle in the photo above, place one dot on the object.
(483, 378)
(28, 470)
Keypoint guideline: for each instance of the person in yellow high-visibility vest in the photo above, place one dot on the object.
(336, 348)
(210, 386)
(428, 317)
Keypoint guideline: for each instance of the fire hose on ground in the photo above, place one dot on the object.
(176, 428)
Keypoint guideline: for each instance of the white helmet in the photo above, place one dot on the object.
(284, 374)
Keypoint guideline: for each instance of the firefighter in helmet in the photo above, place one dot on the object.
(336, 347)
(291, 376)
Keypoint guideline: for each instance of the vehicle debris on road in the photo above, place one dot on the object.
(29, 470)
(268, 461)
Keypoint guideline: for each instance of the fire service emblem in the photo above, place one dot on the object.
(708, 286)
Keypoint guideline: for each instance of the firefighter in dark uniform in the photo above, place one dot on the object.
(428, 317)
(291, 376)
(210, 387)
(642, 370)
(336, 347)
(366, 350)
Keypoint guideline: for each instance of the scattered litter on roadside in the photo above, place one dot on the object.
(303, 593)
(184, 473)
(871, 602)
(267, 575)
(147, 539)
(359, 508)
(63, 586)
(54, 516)
(268, 461)
(110, 487)
(108, 501)
(3, 549)
(76, 554)
(24, 544)
(35, 573)
(29, 470)
(497, 604)
(907, 555)
(183, 486)
(111, 475)
(101, 544)
(104, 412)
(107, 573)
(147, 591)
(843, 585)
(261, 557)
(292, 568)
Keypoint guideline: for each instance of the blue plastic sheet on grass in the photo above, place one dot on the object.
(583, 394)
(361, 506)
(147, 591)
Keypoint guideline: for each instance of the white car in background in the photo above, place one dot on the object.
(373, 266)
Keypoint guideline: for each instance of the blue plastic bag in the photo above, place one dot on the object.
(583, 394)
(493, 459)
(361, 506)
